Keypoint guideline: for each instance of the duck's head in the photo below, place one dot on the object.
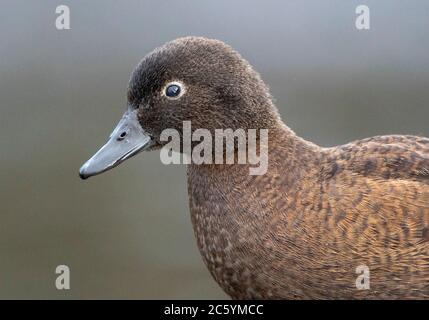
(189, 79)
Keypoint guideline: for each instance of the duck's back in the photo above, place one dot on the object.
(318, 216)
(377, 196)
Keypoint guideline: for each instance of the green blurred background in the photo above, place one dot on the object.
(127, 233)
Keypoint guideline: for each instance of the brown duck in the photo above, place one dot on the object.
(307, 227)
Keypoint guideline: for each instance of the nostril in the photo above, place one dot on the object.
(122, 135)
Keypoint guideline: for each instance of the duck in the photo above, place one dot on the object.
(342, 222)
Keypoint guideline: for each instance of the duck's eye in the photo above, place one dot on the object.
(173, 90)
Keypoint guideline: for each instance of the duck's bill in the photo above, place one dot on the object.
(126, 140)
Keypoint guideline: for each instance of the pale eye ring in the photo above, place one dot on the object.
(173, 90)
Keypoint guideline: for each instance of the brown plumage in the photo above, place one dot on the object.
(301, 229)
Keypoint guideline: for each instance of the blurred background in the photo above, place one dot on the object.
(127, 233)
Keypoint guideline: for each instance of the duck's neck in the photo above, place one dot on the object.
(232, 211)
(287, 154)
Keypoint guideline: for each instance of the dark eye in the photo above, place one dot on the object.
(173, 90)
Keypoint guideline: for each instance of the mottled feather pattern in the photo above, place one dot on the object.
(300, 230)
